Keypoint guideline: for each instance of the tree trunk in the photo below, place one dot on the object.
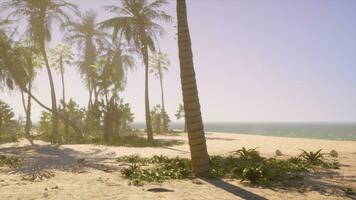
(165, 125)
(65, 120)
(66, 127)
(28, 114)
(196, 134)
(53, 97)
(147, 101)
(90, 90)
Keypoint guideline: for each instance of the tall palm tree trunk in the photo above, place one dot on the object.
(90, 90)
(66, 127)
(196, 134)
(165, 127)
(28, 124)
(27, 109)
(147, 101)
(53, 97)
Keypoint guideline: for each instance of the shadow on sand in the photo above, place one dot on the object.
(233, 189)
(50, 157)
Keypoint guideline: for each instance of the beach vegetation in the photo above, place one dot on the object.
(10, 161)
(160, 120)
(278, 152)
(333, 153)
(159, 64)
(10, 128)
(312, 157)
(256, 170)
(248, 154)
(138, 23)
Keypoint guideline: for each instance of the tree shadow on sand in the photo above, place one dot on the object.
(39, 158)
(315, 184)
(233, 189)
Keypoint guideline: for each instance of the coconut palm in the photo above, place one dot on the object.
(31, 62)
(136, 20)
(180, 114)
(88, 39)
(158, 65)
(110, 76)
(60, 56)
(39, 15)
(13, 73)
(196, 134)
(110, 70)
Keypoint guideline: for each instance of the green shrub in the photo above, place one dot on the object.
(312, 157)
(243, 165)
(136, 159)
(10, 128)
(333, 153)
(164, 168)
(252, 173)
(278, 153)
(222, 166)
(248, 154)
(10, 161)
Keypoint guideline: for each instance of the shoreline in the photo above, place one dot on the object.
(281, 136)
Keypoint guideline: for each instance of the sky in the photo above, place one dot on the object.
(255, 61)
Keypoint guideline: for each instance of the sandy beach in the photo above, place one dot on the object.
(97, 174)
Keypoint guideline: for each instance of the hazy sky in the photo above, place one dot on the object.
(255, 60)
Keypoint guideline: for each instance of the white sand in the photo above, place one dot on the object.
(100, 179)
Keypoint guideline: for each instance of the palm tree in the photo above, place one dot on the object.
(88, 38)
(158, 64)
(196, 134)
(30, 62)
(40, 14)
(110, 70)
(13, 73)
(110, 75)
(59, 56)
(180, 114)
(136, 20)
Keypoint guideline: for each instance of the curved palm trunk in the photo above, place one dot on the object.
(66, 127)
(147, 101)
(196, 134)
(66, 120)
(53, 97)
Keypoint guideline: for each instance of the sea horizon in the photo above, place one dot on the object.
(313, 130)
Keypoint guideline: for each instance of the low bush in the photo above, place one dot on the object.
(312, 157)
(244, 164)
(164, 168)
(278, 152)
(248, 154)
(333, 153)
(10, 161)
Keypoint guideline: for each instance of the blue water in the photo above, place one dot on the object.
(330, 131)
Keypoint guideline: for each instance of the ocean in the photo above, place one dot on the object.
(330, 131)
